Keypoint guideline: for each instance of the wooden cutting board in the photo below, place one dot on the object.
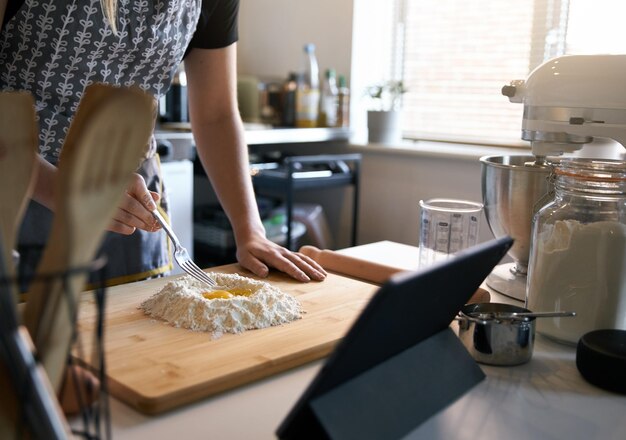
(155, 367)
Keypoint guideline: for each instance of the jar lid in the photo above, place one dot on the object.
(600, 177)
(601, 359)
(607, 170)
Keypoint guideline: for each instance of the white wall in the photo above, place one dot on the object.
(272, 34)
(393, 183)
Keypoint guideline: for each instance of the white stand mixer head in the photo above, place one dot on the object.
(569, 100)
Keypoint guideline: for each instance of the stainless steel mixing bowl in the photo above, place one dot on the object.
(512, 186)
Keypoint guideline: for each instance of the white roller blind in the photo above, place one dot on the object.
(457, 54)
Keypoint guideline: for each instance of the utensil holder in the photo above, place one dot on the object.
(38, 412)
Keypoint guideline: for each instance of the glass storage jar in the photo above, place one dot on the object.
(578, 250)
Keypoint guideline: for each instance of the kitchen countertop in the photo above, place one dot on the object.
(545, 398)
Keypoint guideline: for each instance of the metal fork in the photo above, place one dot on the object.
(182, 256)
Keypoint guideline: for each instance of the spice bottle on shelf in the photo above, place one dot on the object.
(173, 106)
(308, 90)
(578, 250)
(328, 100)
(288, 101)
(343, 103)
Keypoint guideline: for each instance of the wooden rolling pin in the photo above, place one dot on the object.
(366, 270)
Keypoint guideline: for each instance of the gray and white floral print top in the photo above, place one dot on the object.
(56, 48)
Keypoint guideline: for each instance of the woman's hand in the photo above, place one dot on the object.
(258, 254)
(134, 211)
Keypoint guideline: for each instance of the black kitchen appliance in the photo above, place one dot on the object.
(173, 106)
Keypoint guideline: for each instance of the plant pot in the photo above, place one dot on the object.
(384, 127)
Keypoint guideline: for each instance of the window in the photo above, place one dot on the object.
(455, 55)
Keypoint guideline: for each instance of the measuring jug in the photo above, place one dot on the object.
(446, 227)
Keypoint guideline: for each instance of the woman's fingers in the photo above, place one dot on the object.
(121, 228)
(296, 264)
(311, 262)
(259, 255)
(134, 210)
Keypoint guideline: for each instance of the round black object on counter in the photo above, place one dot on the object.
(601, 359)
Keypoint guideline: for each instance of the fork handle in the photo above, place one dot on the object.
(166, 226)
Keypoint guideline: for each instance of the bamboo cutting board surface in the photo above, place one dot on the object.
(155, 367)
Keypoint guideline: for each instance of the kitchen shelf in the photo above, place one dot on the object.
(265, 136)
(178, 138)
(282, 181)
(278, 180)
(296, 135)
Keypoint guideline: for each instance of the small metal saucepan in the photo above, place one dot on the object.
(493, 336)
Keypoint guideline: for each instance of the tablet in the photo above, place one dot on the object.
(408, 309)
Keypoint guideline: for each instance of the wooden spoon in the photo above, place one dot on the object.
(18, 154)
(103, 147)
(18, 150)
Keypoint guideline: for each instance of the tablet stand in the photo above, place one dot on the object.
(391, 399)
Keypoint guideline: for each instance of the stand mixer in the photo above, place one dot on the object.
(568, 101)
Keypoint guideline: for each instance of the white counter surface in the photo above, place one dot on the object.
(543, 399)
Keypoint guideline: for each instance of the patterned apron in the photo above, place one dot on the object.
(54, 49)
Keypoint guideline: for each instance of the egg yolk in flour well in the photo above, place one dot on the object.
(226, 294)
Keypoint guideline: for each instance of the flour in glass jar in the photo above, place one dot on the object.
(182, 303)
(581, 268)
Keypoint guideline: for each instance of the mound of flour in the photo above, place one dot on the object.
(181, 304)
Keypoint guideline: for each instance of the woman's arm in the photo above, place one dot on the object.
(219, 136)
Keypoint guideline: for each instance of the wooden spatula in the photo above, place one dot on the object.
(104, 145)
(18, 153)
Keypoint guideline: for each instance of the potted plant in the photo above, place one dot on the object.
(384, 117)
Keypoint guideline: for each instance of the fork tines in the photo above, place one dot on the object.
(192, 269)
